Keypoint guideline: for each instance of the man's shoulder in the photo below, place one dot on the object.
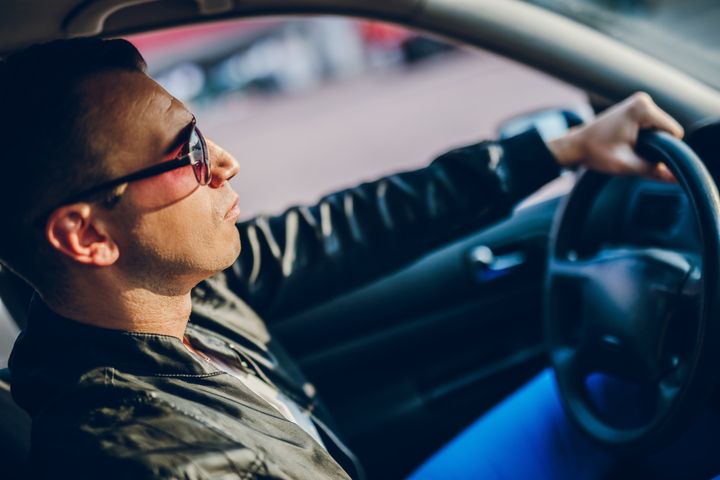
(134, 433)
(120, 425)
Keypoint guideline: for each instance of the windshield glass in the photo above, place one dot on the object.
(681, 33)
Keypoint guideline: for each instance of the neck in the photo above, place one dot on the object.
(128, 309)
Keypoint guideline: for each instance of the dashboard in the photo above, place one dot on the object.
(638, 212)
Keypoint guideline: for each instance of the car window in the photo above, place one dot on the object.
(310, 105)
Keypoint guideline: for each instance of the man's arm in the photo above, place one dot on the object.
(310, 254)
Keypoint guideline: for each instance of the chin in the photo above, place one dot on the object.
(225, 250)
(234, 250)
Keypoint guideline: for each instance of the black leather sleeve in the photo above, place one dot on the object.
(309, 254)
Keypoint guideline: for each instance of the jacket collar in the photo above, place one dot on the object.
(55, 351)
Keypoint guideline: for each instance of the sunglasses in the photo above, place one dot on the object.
(194, 154)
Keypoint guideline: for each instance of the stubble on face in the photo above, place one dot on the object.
(164, 248)
(167, 255)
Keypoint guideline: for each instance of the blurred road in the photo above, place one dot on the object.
(295, 148)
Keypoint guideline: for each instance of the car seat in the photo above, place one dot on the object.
(15, 424)
(14, 433)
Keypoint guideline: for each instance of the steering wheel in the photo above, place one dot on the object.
(615, 311)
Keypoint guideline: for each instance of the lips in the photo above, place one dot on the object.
(234, 211)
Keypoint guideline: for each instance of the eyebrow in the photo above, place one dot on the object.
(179, 142)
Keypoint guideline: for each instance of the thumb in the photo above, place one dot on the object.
(636, 165)
(633, 163)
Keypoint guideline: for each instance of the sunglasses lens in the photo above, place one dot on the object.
(200, 158)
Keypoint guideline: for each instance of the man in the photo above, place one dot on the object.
(140, 360)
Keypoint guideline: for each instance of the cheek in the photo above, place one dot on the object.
(174, 233)
(164, 190)
(189, 234)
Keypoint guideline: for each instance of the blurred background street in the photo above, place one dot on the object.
(295, 149)
(308, 106)
(312, 104)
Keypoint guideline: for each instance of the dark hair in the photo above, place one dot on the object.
(45, 154)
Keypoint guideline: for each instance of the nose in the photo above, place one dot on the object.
(223, 165)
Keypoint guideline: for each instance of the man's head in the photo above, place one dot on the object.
(80, 113)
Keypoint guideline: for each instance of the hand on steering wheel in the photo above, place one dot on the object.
(607, 144)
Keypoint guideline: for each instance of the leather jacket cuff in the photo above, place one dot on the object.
(529, 163)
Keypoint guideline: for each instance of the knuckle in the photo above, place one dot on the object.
(642, 104)
(642, 97)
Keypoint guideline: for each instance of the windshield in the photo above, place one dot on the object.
(681, 33)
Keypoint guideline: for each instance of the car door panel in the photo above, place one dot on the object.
(419, 354)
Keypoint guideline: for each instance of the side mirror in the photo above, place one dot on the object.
(551, 123)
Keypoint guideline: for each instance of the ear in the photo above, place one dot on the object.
(74, 231)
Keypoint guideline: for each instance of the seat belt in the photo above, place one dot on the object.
(338, 450)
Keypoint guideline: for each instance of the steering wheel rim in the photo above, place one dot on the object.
(622, 309)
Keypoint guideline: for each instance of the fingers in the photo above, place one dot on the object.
(633, 164)
(649, 115)
(662, 172)
(652, 116)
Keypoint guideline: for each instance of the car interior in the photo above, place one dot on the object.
(432, 346)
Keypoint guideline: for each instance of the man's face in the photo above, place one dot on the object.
(171, 232)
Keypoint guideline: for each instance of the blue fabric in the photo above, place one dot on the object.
(529, 436)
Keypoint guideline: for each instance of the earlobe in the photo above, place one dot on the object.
(73, 231)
